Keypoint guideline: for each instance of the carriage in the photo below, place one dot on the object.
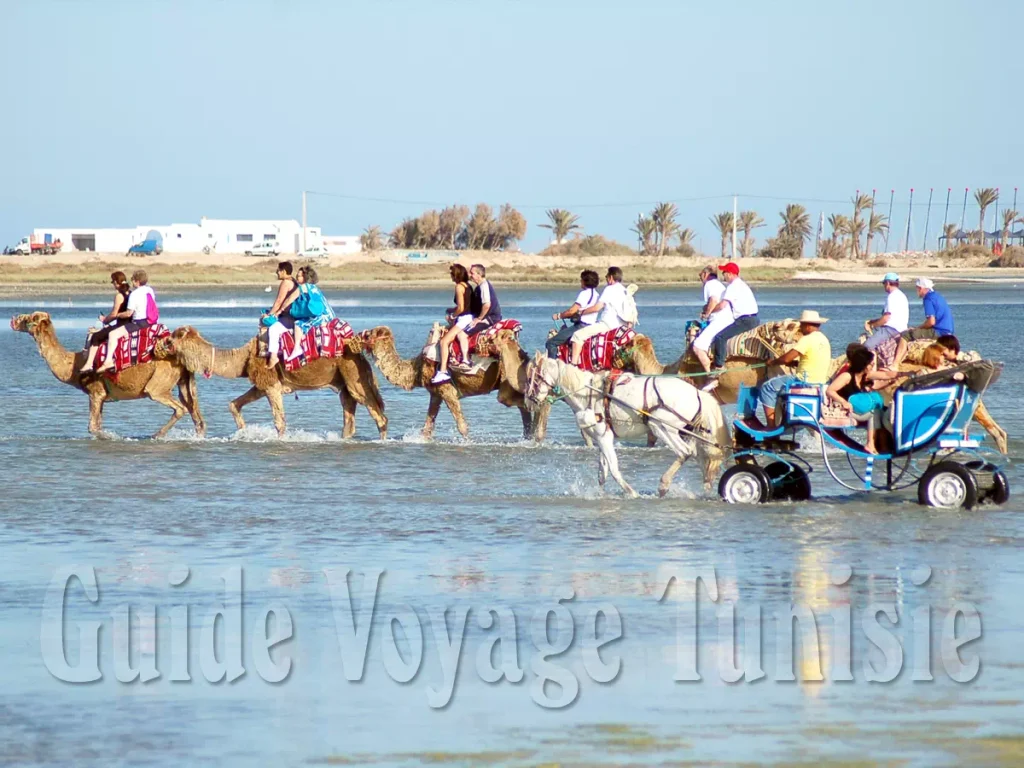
(930, 446)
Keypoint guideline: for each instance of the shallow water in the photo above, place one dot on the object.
(490, 524)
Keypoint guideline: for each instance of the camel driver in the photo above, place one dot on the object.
(609, 310)
(714, 290)
(813, 357)
(735, 313)
(486, 311)
(586, 298)
(894, 320)
(938, 319)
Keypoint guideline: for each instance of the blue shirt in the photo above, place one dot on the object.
(936, 306)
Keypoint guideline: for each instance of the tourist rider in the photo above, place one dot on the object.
(938, 319)
(317, 310)
(813, 357)
(944, 352)
(714, 290)
(736, 312)
(458, 318)
(895, 317)
(282, 320)
(586, 298)
(609, 310)
(485, 310)
(853, 390)
(109, 321)
(140, 311)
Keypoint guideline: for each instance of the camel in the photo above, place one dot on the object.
(784, 336)
(350, 376)
(154, 379)
(379, 342)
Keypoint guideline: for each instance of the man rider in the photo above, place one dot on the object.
(938, 318)
(586, 298)
(735, 313)
(609, 310)
(483, 305)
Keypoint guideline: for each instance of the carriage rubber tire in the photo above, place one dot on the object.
(999, 493)
(944, 479)
(748, 478)
(797, 486)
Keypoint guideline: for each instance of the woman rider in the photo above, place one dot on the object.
(307, 280)
(284, 322)
(110, 321)
(138, 311)
(459, 317)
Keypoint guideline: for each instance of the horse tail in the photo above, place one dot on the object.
(713, 421)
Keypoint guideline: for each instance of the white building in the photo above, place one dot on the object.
(208, 236)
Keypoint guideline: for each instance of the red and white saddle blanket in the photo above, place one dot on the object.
(599, 351)
(135, 348)
(455, 350)
(327, 340)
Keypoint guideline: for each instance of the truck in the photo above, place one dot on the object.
(36, 245)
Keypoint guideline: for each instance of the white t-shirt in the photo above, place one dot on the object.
(586, 299)
(612, 297)
(713, 289)
(740, 298)
(898, 309)
(137, 301)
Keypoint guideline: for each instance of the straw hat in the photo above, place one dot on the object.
(812, 317)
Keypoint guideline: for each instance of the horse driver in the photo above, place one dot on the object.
(485, 308)
(736, 312)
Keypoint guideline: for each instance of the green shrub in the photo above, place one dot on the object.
(591, 245)
(1011, 257)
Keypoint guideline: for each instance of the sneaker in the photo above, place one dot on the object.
(440, 378)
(711, 386)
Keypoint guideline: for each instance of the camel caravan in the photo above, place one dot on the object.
(608, 373)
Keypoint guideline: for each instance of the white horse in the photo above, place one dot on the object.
(687, 420)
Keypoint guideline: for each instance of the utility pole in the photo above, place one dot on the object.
(303, 221)
(735, 213)
(927, 218)
(891, 193)
(963, 214)
(910, 212)
(945, 218)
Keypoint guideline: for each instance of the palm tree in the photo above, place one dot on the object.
(1009, 219)
(855, 228)
(723, 223)
(563, 223)
(664, 218)
(949, 231)
(686, 236)
(877, 225)
(860, 203)
(646, 230)
(984, 198)
(372, 238)
(748, 221)
(796, 226)
(840, 226)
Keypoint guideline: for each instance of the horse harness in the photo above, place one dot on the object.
(650, 385)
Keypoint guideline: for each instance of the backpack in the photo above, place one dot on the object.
(630, 315)
(152, 313)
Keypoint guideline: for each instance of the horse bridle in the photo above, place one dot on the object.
(534, 382)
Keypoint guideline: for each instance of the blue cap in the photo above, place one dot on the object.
(891, 277)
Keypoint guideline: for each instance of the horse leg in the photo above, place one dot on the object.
(450, 395)
(602, 465)
(166, 398)
(236, 405)
(432, 410)
(540, 422)
(606, 444)
(527, 422)
(984, 418)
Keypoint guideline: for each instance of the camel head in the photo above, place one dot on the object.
(436, 332)
(490, 345)
(369, 338)
(185, 345)
(30, 324)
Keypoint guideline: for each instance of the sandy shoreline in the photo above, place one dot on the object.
(86, 272)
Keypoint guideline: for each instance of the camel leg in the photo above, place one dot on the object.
(275, 396)
(236, 405)
(166, 398)
(432, 410)
(188, 393)
(450, 395)
(606, 444)
(96, 412)
(984, 418)
(365, 393)
(348, 407)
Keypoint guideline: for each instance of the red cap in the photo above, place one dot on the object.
(732, 267)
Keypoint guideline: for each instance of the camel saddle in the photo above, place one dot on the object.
(321, 341)
(599, 352)
(135, 348)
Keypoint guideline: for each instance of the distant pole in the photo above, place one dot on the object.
(639, 238)
(963, 213)
(871, 215)
(1015, 198)
(817, 236)
(303, 221)
(910, 212)
(735, 214)
(995, 219)
(945, 218)
(887, 231)
(927, 218)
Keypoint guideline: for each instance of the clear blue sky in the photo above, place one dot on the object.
(121, 113)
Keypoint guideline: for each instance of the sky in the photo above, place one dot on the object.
(153, 112)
